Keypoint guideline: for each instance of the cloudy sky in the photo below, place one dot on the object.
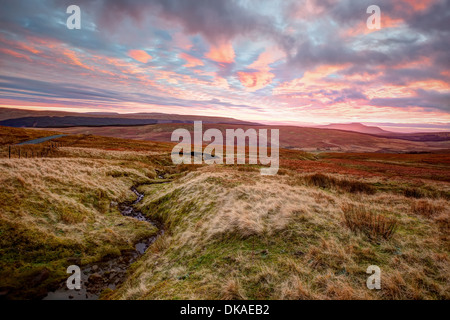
(292, 62)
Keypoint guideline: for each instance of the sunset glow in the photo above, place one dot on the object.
(295, 62)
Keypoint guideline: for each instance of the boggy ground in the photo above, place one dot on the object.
(309, 232)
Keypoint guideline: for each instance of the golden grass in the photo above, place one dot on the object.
(233, 234)
(232, 290)
(326, 181)
(375, 226)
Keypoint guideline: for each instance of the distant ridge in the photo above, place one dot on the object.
(57, 119)
(356, 127)
(102, 113)
(70, 121)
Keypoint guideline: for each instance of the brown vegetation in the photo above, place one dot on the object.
(308, 233)
(375, 226)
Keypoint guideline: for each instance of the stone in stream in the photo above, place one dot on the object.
(95, 278)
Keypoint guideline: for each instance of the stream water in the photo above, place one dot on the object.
(110, 272)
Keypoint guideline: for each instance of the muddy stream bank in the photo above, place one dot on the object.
(111, 271)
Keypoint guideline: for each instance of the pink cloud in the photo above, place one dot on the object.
(222, 53)
(14, 54)
(255, 80)
(191, 61)
(140, 55)
(419, 5)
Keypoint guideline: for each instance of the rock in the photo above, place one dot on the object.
(94, 267)
(95, 278)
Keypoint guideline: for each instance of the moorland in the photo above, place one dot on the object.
(309, 232)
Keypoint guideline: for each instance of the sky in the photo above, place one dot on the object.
(278, 61)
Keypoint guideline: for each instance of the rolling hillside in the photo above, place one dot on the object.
(301, 138)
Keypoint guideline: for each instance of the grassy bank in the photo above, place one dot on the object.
(233, 234)
(63, 209)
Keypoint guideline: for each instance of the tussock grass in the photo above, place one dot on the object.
(295, 289)
(327, 182)
(232, 290)
(375, 226)
(413, 193)
(427, 208)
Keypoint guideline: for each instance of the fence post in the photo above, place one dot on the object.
(19, 152)
(9, 151)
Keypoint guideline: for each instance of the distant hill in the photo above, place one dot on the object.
(11, 113)
(353, 137)
(372, 130)
(69, 121)
(421, 136)
(356, 127)
(102, 113)
(291, 137)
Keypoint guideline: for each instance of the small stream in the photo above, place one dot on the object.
(110, 272)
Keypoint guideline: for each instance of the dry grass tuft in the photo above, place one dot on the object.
(426, 208)
(327, 182)
(375, 226)
(295, 289)
(413, 193)
(232, 290)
